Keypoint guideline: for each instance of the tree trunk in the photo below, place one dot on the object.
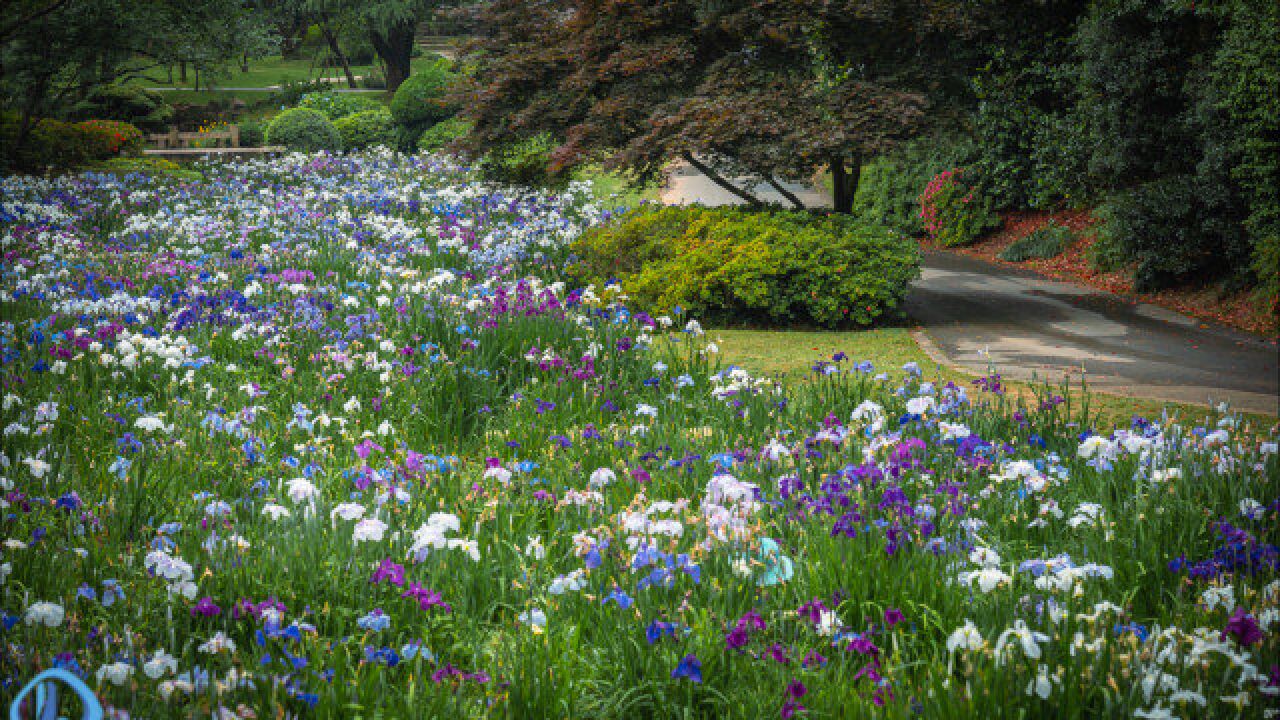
(844, 184)
(289, 43)
(334, 48)
(182, 71)
(784, 192)
(28, 118)
(395, 49)
(715, 177)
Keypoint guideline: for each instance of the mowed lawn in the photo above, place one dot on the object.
(791, 354)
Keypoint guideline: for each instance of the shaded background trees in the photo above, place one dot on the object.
(770, 90)
(60, 52)
(1161, 115)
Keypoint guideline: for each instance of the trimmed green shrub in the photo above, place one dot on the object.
(304, 129)
(731, 265)
(954, 212)
(252, 133)
(54, 144)
(522, 163)
(336, 106)
(366, 129)
(1047, 242)
(436, 137)
(420, 102)
(890, 186)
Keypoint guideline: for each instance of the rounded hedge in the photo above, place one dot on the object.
(436, 137)
(304, 129)
(421, 100)
(731, 265)
(366, 129)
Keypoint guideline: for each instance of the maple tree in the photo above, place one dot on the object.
(768, 89)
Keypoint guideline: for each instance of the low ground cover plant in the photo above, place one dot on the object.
(1047, 242)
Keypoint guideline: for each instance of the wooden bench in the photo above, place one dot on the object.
(178, 145)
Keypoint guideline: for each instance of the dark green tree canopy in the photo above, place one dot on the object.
(771, 88)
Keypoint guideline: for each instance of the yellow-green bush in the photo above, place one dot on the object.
(732, 265)
(148, 166)
(366, 129)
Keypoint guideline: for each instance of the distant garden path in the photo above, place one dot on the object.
(976, 314)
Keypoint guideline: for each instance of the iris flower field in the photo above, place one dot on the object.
(339, 436)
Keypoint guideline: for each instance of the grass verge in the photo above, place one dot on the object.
(790, 355)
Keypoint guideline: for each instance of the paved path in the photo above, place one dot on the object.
(687, 185)
(976, 314)
(979, 315)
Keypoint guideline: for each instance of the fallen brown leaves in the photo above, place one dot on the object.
(1239, 310)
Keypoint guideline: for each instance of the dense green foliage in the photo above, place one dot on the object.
(422, 101)
(1164, 116)
(1246, 90)
(1047, 242)
(954, 209)
(890, 186)
(366, 129)
(524, 162)
(252, 133)
(57, 145)
(1175, 229)
(733, 266)
(304, 129)
(135, 105)
(438, 136)
(58, 57)
(1165, 113)
(337, 105)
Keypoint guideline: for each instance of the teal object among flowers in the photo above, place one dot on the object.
(45, 687)
(778, 568)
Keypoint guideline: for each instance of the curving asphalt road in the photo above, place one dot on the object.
(980, 315)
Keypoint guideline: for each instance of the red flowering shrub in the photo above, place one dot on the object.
(104, 139)
(953, 212)
(61, 145)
